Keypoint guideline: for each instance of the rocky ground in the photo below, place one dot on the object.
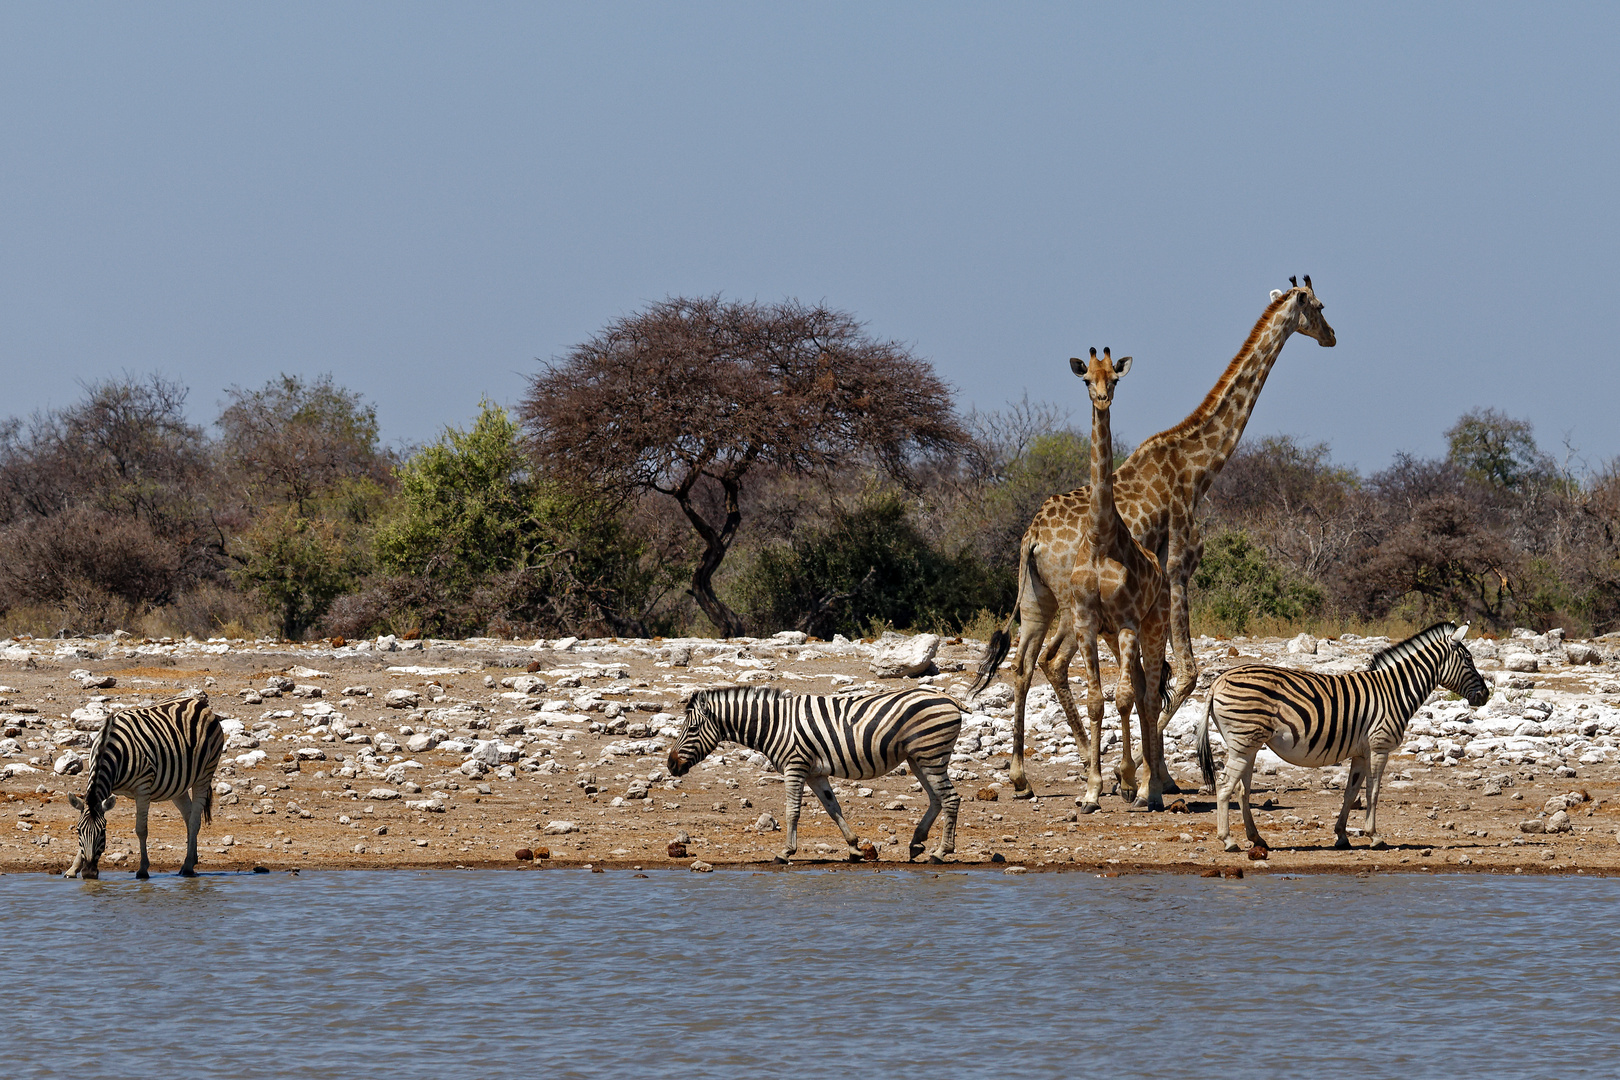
(483, 752)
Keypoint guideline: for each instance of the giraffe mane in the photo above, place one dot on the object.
(1394, 654)
(1213, 398)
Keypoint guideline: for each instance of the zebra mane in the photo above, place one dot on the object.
(1394, 654)
(738, 693)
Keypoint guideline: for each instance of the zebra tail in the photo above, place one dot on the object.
(208, 803)
(1166, 692)
(1206, 756)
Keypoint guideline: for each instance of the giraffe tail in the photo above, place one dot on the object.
(1206, 756)
(1000, 643)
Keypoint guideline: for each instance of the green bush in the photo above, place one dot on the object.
(869, 565)
(1237, 583)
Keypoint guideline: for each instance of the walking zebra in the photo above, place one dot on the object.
(164, 751)
(1316, 720)
(810, 737)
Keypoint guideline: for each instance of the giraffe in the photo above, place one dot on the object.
(1156, 490)
(1116, 587)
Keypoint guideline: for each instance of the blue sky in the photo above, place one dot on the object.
(424, 199)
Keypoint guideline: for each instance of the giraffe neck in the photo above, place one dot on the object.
(1199, 446)
(1102, 513)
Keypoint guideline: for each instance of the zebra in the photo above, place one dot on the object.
(811, 737)
(1315, 720)
(164, 751)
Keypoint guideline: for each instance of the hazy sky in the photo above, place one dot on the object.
(423, 200)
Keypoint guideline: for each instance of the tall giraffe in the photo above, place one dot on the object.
(1157, 491)
(1116, 588)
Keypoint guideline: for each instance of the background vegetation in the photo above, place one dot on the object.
(770, 459)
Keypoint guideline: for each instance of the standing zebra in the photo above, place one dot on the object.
(164, 751)
(811, 737)
(1316, 720)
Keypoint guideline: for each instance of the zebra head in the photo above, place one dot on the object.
(1457, 671)
(700, 734)
(92, 831)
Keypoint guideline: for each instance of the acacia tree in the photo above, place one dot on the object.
(697, 392)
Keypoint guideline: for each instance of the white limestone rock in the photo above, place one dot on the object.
(906, 658)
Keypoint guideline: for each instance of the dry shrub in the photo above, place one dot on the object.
(99, 569)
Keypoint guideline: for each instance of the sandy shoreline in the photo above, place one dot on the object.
(568, 761)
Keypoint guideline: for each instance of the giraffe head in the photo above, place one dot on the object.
(1307, 312)
(1101, 374)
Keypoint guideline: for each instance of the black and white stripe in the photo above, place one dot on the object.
(1316, 720)
(809, 738)
(164, 751)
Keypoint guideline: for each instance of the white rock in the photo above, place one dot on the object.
(766, 823)
(402, 699)
(564, 644)
(250, 759)
(388, 643)
(310, 753)
(701, 867)
(1577, 653)
(69, 764)
(1559, 822)
(382, 793)
(1524, 662)
(558, 828)
(906, 658)
(421, 742)
(1304, 643)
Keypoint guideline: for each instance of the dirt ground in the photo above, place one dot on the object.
(572, 772)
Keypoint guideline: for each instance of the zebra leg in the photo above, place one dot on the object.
(1233, 777)
(823, 789)
(141, 803)
(1375, 779)
(793, 783)
(1244, 781)
(191, 813)
(1352, 784)
(937, 782)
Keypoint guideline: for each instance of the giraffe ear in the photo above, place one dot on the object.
(1121, 366)
(1078, 366)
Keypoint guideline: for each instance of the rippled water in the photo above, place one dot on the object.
(855, 973)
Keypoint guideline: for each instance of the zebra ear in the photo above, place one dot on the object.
(75, 802)
(1462, 632)
(112, 801)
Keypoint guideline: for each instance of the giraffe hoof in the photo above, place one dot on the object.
(1025, 792)
(1172, 788)
(935, 859)
(916, 850)
(141, 875)
(1089, 808)
(1341, 843)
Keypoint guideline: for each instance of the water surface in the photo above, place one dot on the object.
(857, 973)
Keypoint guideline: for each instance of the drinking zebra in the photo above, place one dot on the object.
(1316, 720)
(809, 738)
(163, 751)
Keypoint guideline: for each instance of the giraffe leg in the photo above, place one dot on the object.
(824, 791)
(793, 785)
(1352, 784)
(1094, 712)
(1034, 618)
(191, 813)
(1125, 778)
(141, 803)
(1055, 664)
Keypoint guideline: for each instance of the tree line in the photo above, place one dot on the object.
(710, 466)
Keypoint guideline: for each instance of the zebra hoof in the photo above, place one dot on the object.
(782, 859)
(1378, 844)
(1145, 805)
(1341, 843)
(1172, 788)
(935, 859)
(1089, 808)
(1023, 792)
(1232, 845)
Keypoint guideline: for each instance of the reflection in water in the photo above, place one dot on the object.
(882, 974)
